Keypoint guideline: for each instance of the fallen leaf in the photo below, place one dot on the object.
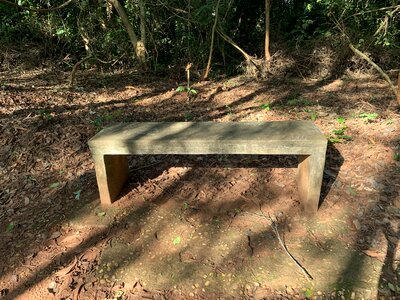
(52, 288)
(70, 241)
(375, 254)
(101, 214)
(67, 269)
(54, 185)
(55, 235)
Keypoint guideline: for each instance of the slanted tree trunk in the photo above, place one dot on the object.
(267, 22)
(248, 58)
(138, 45)
(207, 71)
(376, 67)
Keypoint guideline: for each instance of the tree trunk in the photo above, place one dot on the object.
(267, 22)
(246, 56)
(142, 22)
(375, 66)
(138, 46)
(207, 71)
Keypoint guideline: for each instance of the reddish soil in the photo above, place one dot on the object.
(194, 220)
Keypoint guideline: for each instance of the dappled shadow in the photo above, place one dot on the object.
(47, 161)
(377, 230)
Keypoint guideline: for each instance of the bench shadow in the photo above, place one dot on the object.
(333, 161)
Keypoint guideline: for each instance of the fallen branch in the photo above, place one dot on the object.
(366, 58)
(303, 270)
(75, 68)
(283, 245)
(246, 56)
(375, 66)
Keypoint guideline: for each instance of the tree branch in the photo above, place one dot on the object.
(39, 10)
(246, 56)
(212, 42)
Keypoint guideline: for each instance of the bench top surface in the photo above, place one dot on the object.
(148, 132)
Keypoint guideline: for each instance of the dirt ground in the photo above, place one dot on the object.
(196, 227)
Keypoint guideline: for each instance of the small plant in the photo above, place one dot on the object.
(368, 117)
(46, 115)
(396, 156)
(339, 135)
(308, 293)
(296, 100)
(177, 240)
(265, 106)
(106, 118)
(188, 116)
(313, 116)
(10, 227)
(77, 194)
(188, 89)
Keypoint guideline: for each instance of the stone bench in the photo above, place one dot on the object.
(111, 146)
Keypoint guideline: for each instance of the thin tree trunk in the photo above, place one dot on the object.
(375, 66)
(138, 46)
(246, 56)
(142, 22)
(75, 68)
(267, 23)
(208, 67)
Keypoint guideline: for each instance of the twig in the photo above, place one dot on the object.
(281, 242)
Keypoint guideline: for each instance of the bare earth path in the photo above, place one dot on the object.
(190, 226)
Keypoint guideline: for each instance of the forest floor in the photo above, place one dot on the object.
(190, 227)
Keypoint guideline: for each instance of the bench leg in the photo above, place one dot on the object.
(111, 174)
(309, 180)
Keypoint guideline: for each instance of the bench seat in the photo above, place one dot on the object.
(111, 146)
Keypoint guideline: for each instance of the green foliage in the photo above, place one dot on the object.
(10, 227)
(339, 135)
(188, 90)
(299, 101)
(368, 117)
(180, 31)
(396, 156)
(177, 240)
(266, 106)
(308, 293)
(313, 116)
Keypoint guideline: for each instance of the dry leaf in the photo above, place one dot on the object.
(67, 269)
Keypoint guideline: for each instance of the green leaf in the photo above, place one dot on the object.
(101, 214)
(54, 185)
(352, 191)
(266, 106)
(308, 293)
(180, 89)
(341, 120)
(368, 117)
(192, 91)
(392, 287)
(396, 156)
(314, 116)
(177, 240)
(77, 194)
(60, 31)
(10, 227)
